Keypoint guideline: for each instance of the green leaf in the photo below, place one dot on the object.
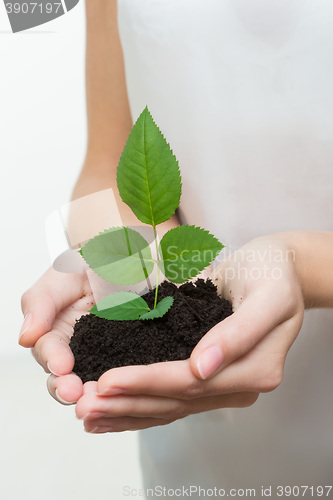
(148, 176)
(120, 306)
(186, 251)
(119, 255)
(162, 307)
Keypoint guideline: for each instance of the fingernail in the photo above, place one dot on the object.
(99, 430)
(51, 371)
(209, 361)
(93, 414)
(92, 431)
(62, 400)
(111, 391)
(26, 325)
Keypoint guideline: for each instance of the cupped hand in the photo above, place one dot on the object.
(51, 307)
(235, 361)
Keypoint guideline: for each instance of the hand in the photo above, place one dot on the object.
(51, 307)
(240, 357)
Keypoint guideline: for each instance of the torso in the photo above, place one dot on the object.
(243, 91)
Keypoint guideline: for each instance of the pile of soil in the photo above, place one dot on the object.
(100, 344)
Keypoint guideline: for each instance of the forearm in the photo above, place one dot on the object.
(108, 111)
(312, 252)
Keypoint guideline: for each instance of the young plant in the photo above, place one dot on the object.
(149, 182)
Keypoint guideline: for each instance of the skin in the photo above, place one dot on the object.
(238, 358)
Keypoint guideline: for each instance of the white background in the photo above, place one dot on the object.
(44, 452)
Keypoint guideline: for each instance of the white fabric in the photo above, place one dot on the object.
(243, 91)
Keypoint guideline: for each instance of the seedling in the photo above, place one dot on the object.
(149, 182)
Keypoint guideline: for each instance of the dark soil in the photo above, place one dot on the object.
(100, 344)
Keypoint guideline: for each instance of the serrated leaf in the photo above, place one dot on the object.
(161, 308)
(119, 255)
(186, 251)
(148, 176)
(120, 306)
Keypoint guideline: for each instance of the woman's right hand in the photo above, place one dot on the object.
(51, 307)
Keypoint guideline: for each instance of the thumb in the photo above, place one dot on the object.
(44, 300)
(235, 336)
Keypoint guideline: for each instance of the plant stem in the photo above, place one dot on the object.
(158, 267)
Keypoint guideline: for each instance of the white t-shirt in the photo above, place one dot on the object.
(243, 91)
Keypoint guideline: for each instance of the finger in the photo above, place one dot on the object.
(260, 371)
(53, 353)
(92, 406)
(167, 379)
(66, 389)
(90, 386)
(122, 424)
(235, 336)
(41, 303)
(172, 379)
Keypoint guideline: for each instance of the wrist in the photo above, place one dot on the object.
(312, 256)
(98, 172)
